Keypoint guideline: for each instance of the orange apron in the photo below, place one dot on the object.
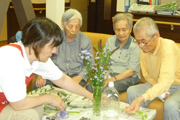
(3, 100)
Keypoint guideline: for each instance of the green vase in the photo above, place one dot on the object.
(97, 91)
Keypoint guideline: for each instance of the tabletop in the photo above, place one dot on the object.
(80, 108)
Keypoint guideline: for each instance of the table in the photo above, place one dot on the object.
(80, 108)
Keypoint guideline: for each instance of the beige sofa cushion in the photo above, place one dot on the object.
(95, 37)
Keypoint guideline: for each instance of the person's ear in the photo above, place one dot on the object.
(62, 25)
(130, 30)
(157, 34)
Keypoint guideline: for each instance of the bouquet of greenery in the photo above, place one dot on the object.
(171, 6)
(97, 72)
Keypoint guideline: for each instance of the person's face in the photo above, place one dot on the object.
(72, 28)
(145, 42)
(122, 30)
(47, 51)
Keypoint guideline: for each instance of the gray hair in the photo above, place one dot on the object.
(146, 24)
(123, 16)
(71, 14)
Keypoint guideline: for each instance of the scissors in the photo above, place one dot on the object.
(62, 114)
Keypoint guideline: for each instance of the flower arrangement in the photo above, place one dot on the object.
(97, 72)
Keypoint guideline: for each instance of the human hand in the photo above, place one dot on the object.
(91, 97)
(56, 101)
(164, 96)
(109, 80)
(167, 95)
(135, 105)
(40, 82)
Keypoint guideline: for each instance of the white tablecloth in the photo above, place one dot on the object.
(80, 108)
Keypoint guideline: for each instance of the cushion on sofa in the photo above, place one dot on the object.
(96, 37)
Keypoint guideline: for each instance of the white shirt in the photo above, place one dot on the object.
(14, 68)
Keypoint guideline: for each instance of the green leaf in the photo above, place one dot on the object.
(144, 116)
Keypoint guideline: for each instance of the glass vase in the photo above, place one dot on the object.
(97, 91)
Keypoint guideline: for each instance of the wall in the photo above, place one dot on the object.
(82, 7)
(3, 34)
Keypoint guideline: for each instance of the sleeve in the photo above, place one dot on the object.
(145, 72)
(86, 46)
(165, 77)
(109, 42)
(12, 73)
(49, 70)
(134, 58)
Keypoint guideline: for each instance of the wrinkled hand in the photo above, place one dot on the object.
(40, 82)
(164, 96)
(56, 101)
(135, 105)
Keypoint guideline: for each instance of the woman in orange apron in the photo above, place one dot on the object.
(30, 53)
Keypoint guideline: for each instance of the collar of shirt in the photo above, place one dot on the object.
(30, 68)
(65, 38)
(126, 46)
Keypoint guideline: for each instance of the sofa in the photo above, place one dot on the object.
(95, 37)
(157, 104)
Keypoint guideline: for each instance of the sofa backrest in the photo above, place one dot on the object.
(95, 37)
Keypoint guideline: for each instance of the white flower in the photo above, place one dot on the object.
(84, 51)
(82, 57)
(87, 57)
(101, 68)
(96, 58)
(96, 53)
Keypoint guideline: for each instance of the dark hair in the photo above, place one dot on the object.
(38, 32)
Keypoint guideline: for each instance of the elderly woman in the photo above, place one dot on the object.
(31, 53)
(126, 54)
(67, 56)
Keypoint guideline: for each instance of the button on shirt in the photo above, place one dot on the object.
(67, 57)
(126, 57)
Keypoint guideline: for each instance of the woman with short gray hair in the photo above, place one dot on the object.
(67, 55)
(71, 14)
(124, 16)
(126, 56)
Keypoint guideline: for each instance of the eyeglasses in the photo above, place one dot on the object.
(145, 43)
